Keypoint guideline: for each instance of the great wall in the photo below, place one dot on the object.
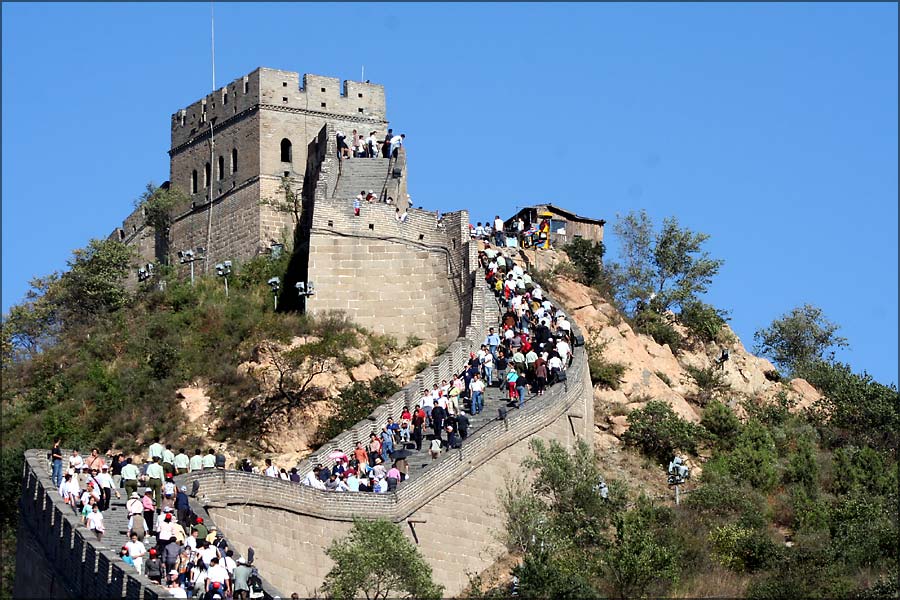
(414, 277)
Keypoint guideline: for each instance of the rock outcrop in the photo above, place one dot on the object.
(654, 372)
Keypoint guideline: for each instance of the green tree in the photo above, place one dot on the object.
(158, 204)
(544, 574)
(586, 257)
(637, 558)
(95, 281)
(754, 458)
(721, 422)
(669, 265)
(855, 408)
(567, 483)
(799, 338)
(375, 560)
(660, 433)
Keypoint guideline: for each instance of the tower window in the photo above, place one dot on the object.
(323, 89)
(246, 86)
(221, 168)
(194, 182)
(284, 84)
(323, 105)
(206, 174)
(284, 99)
(234, 160)
(360, 95)
(286, 153)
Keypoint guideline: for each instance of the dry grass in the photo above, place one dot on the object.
(714, 582)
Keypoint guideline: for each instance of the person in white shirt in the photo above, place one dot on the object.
(76, 462)
(94, 522)
(196, 462)
(271, 470)
(498, 230)
(208, 554)
(396, 142)
(555, 364)
(218, 573)
(137, 551)
(562, 347)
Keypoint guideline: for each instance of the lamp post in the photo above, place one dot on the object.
(189, 257)
(223, 270)
(275, 284)
(145, 272)
(678, 473)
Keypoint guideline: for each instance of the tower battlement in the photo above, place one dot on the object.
(276, 89)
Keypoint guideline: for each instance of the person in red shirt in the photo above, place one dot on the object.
(418, 423)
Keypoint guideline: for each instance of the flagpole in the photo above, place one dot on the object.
(212, 139)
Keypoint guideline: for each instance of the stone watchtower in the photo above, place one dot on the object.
(260, 125)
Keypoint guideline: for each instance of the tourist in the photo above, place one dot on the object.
(136, 551)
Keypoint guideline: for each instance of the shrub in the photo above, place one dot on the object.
(721, 422)
(606, 374)
(702, 320)
(586, 257)
(855, 408)
(355, 403)
(664, 378)
(655, 325)
(743, 549)
(412, 342)
(710, 380)
(659, 432)
(754, 457)
(721, 496)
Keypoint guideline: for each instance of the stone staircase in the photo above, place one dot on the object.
(116, 521)
(495, 398)
(361, 174)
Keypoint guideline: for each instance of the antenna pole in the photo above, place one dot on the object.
(362, 77)
(212, 138)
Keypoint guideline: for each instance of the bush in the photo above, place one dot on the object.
(702, 320)
(856, 409)
(660, 433)
(743, 549)
(721, 422)
(355, 403)
(606, 374)
(754, 457)
(721, 496)
(586, 257)
(655, 325)
(710, 380)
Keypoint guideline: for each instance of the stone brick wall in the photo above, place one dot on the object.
(58, 557)
(399, 278)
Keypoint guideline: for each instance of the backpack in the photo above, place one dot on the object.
(255, 584)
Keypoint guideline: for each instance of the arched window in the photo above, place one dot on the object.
(221, 168)
(286, 154)
(206, 175)
(194, 182)
(234, 160)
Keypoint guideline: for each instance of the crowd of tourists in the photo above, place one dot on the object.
(368, 146)
(168, 543)
(528, 350)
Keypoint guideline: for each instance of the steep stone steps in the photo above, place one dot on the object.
(494, 398)
(361, 174)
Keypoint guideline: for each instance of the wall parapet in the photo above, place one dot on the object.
(82, 566)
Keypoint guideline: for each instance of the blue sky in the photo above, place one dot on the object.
(773, 128)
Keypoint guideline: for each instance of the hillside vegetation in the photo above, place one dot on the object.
(89, 361)
(794, 486)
